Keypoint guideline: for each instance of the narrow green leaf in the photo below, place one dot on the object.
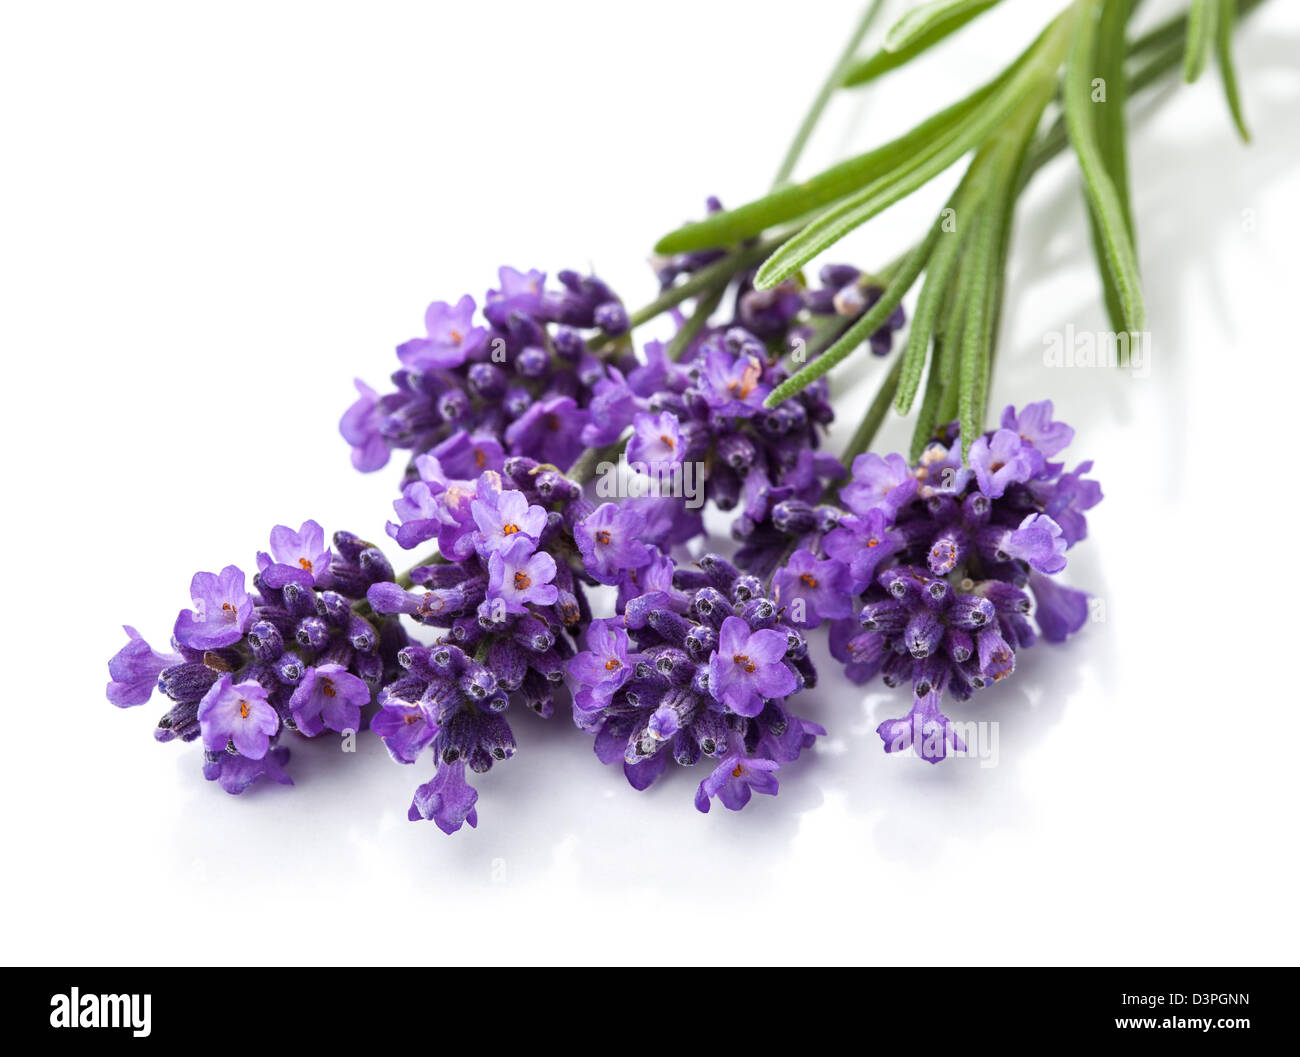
(936, 15)
(974, 353)
(1118, 257)
(1109, 127)
(832, 225)
(871, 321)
(825, 92)
(964, 206)
(1016, 177)
(927, 418)
(915, 33)
(796, 200)
(1228, 68)
(1201, 17)
(988, 259)
(1108, 61)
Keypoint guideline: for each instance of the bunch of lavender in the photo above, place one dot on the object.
(295, 654)
(699, 665)
(931, 574)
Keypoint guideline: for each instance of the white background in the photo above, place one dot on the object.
(215, 215)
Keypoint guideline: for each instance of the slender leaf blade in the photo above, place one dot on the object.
(919, 34)
(1228, 68)
(1201, 19)
(1118, 257)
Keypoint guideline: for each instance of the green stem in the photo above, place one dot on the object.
(870, 424)
(824, 94)
(688, 331)
(720, 271)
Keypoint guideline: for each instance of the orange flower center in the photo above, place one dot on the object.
(612, 664)
(745, 662)
(808, 579)
(243, 710)
(327, 688)
(522, 581)
(602, 537)
(305, 563)
(509, 530)
(737, 771)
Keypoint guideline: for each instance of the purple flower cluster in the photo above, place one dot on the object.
(519, 379)
(295, 653)
(708, 409)
(708, 406)
(507, 607)
(933, 572)
(699, 666)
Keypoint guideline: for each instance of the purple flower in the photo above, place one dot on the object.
(448, 799)
(884, 483)
(656, 442)
(610, 541)
(813, 590)
(748, 667)
(733, 385)
(549, 431)
(520, 292)
(134, 670)
(1061, 610)
(612, 406)
(517, 576)
(222, 611)
(1034, 424)
(238, 713)
(417, 511)
(863, 543)
(925, 729)
(463, 456)
(503, 518)
(996, 658)
(603, 667)
(404, 728)
(451, 340)
(735, 779)
(329, 696)
(300, 557)
(361, 427)
(1038, 541)
(1005, 460)
(1065, 499)
(237, 773)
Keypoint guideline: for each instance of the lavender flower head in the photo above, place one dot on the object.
(507, 608)
(697, 669)
(948, 567)
(300, 652)
(517, 379)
